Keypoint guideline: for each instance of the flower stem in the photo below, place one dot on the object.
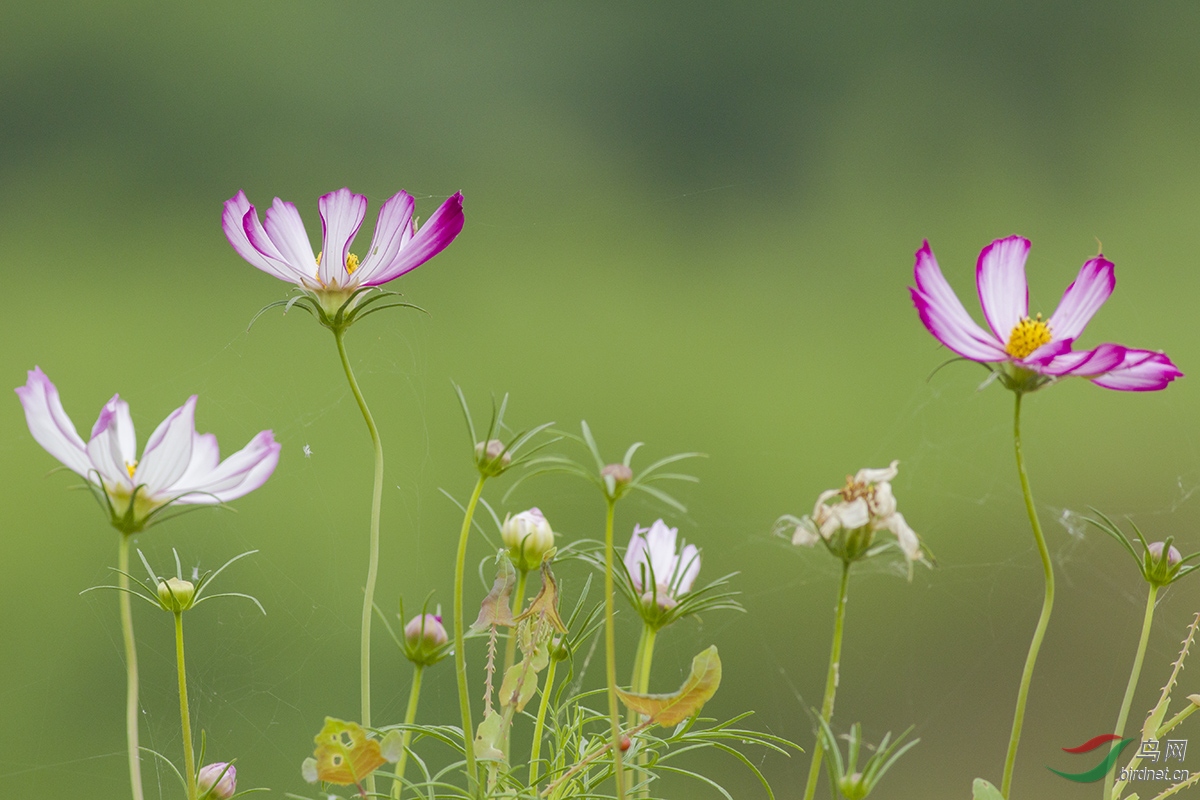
(642, 682)
(189, 758)
(131, 668)
(535, 750)
(1047, 605)
(460, 657)
(831, 680)
(610, 651)
(1134, 674)
(510, 647)
(410, 716)
(373, 558)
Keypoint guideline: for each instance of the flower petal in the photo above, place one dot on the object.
(342, 213)
(635, 557)
(876, 475)
(393, 229)
(905, 535)
(233, 222)
(207, 482)
(1096, 361)
(49, 423)
(1083, 298)
(168, 451)
(660, 546)
(283, 225)
(943, 313)
(1140, 371)
(113, 444)
(686, 568)
(433, 237)
(1000, 279)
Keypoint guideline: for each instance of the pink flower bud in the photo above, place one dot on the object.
(219, 780)
(425, 639)
(620, 474)
(1173, 555)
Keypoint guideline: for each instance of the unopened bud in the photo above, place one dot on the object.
(176, 595)
(528, 537)
(621, 474)
(1173, 555)
(217, 781)
(492, 457)
(625, 742)
(425, 639)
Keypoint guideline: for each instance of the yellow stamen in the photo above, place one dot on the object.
(351, 263)
(1027, 335)
(131, 468)
(319, 258)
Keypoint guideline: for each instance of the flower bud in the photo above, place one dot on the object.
(492, 457)
(218, 780)
(528, 537)
(176, 595)
(1173, 555)
(425, 639)
(621, 474)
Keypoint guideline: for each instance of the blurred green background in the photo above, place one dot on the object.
(690, 224)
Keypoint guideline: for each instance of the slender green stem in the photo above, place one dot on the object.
(610, 651)
(510, 647)
(1047, 605)
(635, 680)
(642, 686)
(460, 656)
(410, 717)
(831, 680)
(539, 726)
(189, 757)
(131, 669)
(1134, 674)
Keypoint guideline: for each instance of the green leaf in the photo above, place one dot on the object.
(985, 791)
(671, 709)
(524, 675)
(487, 736)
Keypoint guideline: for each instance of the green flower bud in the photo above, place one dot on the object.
(492, 458)
(176, 595)
(528, 537)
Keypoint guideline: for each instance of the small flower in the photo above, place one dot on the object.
(217, 781)
(279, 245)
(656, 570)
(176, 595)
(863, 507)
(528, 537)
(425, 639)
(1032, 351)
(178, 465)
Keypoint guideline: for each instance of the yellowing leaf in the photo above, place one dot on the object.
(345, 754)
(496, 608)
(671, 709)
(545, 605)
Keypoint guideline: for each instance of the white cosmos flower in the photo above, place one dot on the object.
(178, 465)
(652, 561)
(866, 501)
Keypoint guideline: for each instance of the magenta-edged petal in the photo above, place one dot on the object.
(49, 423)
(168, 450)
(1049, 350)
(233, 222)
(944, 315)
(1083, 298)
(1084, 363)
(392, 230)
(342, 213)
(433, 237)
(1000, 279)
(256, 234)
(113, 443)
(206, 482)
(1140, 371)
(283, 225)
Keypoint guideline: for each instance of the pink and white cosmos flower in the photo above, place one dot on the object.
(1033, 350)
(178, 465)
(279, 245)
(656, 569)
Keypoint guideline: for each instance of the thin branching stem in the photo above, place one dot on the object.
(410, 717)
(831, 679)
(189, 757)
(373, 558)
(610, 651)
(1043, 622)
(131, 668)
(460, 656)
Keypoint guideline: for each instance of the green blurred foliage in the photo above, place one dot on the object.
(690, 224)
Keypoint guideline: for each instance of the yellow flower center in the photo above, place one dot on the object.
(351, 263)
(131, 468)
(1028, 335)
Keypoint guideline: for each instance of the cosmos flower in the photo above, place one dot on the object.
(863, 507)
(279, 245)
(1031, 350)
(654, 567)
(219, 780)
(178, 465)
